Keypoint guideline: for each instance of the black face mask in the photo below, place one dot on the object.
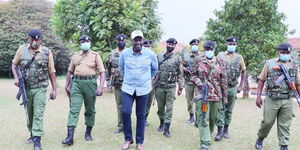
(121, 44)
(170, 49)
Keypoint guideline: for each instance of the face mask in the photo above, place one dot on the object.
(284, 57)
(231, 48)
(194, 48)
(121, 44)
(209, 54)
(86, 46)
(170, 49)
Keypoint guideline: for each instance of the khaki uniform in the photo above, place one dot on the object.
(234, 66)
(85, 67)
(169, 72)
(36, 84)
(278, 103)
(115, 79)
(213, 73)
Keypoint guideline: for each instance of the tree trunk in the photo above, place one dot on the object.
(246, 88)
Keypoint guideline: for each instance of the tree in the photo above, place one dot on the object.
(104, 19)
(16, 18)
(258, 26)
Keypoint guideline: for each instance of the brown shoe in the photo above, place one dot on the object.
(126, 145)
(139, 146)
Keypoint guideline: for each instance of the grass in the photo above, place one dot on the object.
(247, 118)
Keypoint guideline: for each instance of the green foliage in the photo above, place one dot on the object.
(256, 23)
(16, 18)
(104, 19)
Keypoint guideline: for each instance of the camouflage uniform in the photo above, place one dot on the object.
(188, 64)
(115, 79)
(213, 73)
(170, 72)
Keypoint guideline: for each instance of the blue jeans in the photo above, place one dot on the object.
(127, 102)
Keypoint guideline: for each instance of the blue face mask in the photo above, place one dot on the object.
(231, 48)
(85, 46)
(209, 54)
(194, 48)
(284, 57)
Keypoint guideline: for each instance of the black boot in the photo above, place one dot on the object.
(219, 134)
(191, 120)
(88, 136)
(69, 139)
(196, 121)
(259, 143)
(30, 139)
(284, 147)
(225, 132)
(161, 126)
(167, 130)
(37, 143)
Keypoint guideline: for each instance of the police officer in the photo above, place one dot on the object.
(114, 77)
(169, 72)
(188, 65)
(39, 66)
(235, 66)
(278, 103)
(210, 71)
(82, 87)
(148, 44)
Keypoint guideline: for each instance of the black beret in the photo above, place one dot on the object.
(196, 41)
(209, 45)
(172, 40)
(147, 42)
(121, 37)
(232, 39)
(34, 33)
(285, 46)
(84, 37)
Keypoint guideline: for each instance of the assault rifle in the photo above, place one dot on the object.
(203, 93)
(286, 76)
(22, 88)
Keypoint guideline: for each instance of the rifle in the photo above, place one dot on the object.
(285, 76)
(203, 93)
(22, 89)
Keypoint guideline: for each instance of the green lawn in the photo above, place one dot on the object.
(247, 118)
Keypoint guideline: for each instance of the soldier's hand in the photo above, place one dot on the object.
(179, 92)
(67, 88)
(259, 102)
(99, 91)
(110, 89)
(16, 82)
(53, 94)
(239, 89)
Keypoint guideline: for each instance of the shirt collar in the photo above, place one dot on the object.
(227, 53)
(81, 52)
(141, 52)
(38, 50)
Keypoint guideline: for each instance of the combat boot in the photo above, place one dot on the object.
(191, 120)
(219, 134)
(196, 121)
(259, 143)
(284, 147)
(30, 139)
(37, 143)
(225, 132)
(88, 136)
(69, 139)
(167, 130)
(161, 126)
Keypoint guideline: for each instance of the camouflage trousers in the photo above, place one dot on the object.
(282, 110)
(149, 102)
(165, 99)
(117, 92)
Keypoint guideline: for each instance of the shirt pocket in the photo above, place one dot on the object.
(144, 63)
(130, 63)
